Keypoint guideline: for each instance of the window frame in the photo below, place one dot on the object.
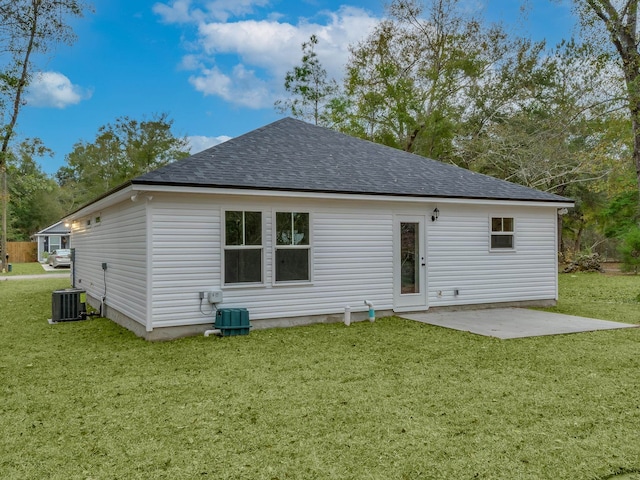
(275, 246)
(59, 244)
(225, 247)
(502, 232)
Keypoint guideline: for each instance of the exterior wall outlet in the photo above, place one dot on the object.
(214, 296)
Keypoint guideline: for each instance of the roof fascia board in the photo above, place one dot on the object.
(44, 232)
(342, 196)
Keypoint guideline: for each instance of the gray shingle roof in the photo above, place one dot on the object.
(291, 155)
(55, 229)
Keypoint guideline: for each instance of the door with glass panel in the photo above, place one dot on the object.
(409, 263)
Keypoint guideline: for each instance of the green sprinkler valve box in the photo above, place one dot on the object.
(233, 321)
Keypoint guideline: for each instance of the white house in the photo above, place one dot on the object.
(52, 238)
(296, 222)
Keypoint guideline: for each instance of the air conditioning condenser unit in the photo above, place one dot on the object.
(68, 305)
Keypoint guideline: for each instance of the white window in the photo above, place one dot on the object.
(502, 233)
(242, 247)
(292, 247)
(55, 243)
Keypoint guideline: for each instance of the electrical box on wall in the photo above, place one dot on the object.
(214, 296)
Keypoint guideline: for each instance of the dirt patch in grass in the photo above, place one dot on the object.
(614, 268)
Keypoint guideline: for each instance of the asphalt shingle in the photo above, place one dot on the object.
(291, 155)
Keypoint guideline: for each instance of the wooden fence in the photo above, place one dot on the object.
(22, 252)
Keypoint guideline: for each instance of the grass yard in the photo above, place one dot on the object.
(33, 268)
(390, 400)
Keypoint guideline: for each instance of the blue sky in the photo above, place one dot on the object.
(216, 67)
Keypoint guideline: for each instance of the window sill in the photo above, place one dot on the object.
(236, 286)
(295, 283)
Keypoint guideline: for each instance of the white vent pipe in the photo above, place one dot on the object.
(347, 313)
(372, 312)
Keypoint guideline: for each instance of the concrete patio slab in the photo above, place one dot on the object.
(513, 322)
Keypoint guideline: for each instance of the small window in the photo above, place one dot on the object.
(243, 247)
(292, 247)
(502, 233)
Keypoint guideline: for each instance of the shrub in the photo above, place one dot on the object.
(630, 250)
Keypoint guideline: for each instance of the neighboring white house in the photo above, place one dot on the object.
(295, 222)
(54, 237)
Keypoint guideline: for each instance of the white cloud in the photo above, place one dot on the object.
(53, 89)
(190, 62)
(244, 62)
(276, 46)
(177, 12)
(224, 9)
(241, 87)
(198, 143)
(180, 11)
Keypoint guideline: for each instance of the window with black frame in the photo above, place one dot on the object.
(243, 247)
(292, 247)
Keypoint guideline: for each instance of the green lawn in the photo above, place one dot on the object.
(390, 400)
(29, 269)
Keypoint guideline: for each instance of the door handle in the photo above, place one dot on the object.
(423, 262)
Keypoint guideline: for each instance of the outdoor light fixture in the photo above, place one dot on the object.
(436, 214)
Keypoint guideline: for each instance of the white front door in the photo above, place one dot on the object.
(409, 264)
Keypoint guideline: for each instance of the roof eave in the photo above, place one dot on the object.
(173, 186)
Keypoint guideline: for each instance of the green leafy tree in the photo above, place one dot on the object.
(309, 87)
(27, 28)
(120, 152)
(409, 83)
(554, 118)
(620, 22)
(34, 195)
(630, 250)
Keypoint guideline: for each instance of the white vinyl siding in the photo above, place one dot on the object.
(186, 236)
(352, 262)
(351, 254)
(120, 242)
(459, 257)
(179, 238)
